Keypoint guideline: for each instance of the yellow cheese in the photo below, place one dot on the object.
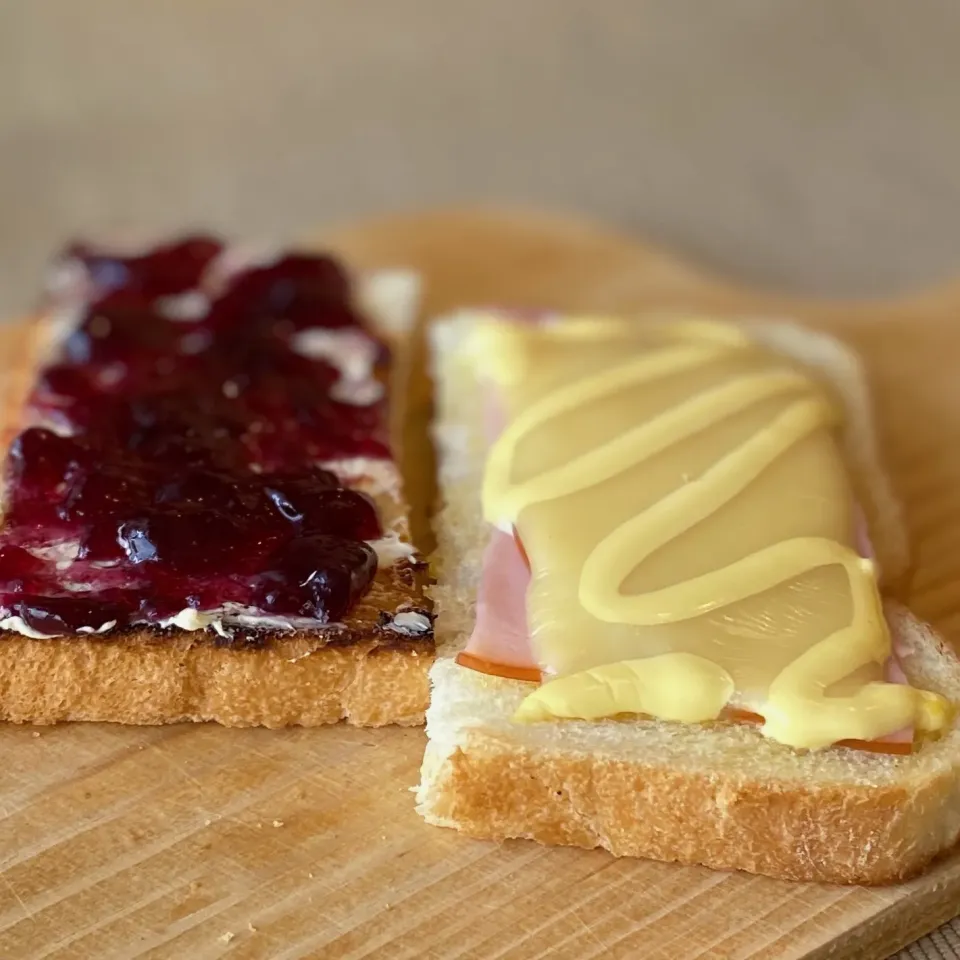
(683, 500)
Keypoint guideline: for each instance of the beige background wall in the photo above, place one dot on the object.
(805, 143)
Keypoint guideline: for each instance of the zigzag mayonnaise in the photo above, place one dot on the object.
(684, 504)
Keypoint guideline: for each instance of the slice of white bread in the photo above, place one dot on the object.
(720, 795)
(370, 670)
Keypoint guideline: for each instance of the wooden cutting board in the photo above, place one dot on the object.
(201, 842)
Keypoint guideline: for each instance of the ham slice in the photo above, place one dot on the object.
(500, 643)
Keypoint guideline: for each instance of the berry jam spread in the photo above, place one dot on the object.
(176, 464)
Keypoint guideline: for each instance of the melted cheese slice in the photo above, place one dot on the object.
(684, 503)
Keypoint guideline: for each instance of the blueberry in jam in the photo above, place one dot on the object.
(120, 326)
(19, 570)
(286, 296)
(38, 460)
(318, 506)
(182, 469)
(317, 576)
(163, 271)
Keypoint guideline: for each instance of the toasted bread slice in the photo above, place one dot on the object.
(720, 795)
(369, 670)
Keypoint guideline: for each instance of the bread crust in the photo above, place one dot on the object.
(364, 671)
(833, 834)
(726, 798)
(659, 814)
(153, 680)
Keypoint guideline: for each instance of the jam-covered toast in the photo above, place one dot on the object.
(202, 514)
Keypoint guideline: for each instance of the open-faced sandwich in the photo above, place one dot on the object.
(202, 516)
(665, 549)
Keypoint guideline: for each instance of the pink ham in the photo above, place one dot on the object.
(500, 633)
(500, 636)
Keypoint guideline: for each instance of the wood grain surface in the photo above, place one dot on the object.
(200, 842)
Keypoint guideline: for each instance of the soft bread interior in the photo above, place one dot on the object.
(469, 716)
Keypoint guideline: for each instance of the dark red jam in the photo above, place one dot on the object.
(177, 464)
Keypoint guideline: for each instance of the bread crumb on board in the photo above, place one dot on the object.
(226, 937)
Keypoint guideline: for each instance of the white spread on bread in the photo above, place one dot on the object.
(352, 354)
(19, 625)
(410, 622)
(682, 498)
(184, 307)
(391, 549)
(226, 618)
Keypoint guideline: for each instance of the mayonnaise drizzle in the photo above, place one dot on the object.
(798, 711)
